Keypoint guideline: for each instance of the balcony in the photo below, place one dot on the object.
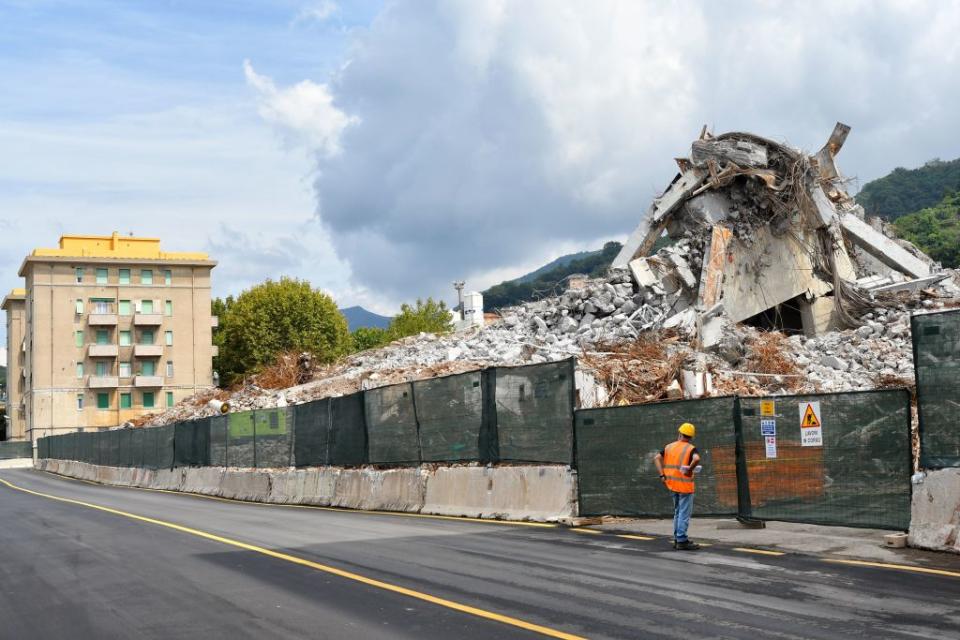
(147, 350)
(103, 351)
(102, 319)
(103, 382)
(147, 381)
(148, 319)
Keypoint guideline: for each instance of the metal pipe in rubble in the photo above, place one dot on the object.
(220, 406)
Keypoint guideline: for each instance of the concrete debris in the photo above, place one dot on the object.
(772, 282)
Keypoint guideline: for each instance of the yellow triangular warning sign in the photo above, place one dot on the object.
(810, 418)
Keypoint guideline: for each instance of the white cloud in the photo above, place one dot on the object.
(304, 113)
(318, 12)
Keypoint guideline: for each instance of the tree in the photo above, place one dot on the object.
(369, 338)
(429, 317)
(935, 230)
(275, 317)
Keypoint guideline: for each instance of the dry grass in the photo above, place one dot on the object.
(636, 372)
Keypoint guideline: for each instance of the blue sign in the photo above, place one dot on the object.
(768, 427)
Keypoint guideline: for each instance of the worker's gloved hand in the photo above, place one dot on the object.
(698, 469)
(685, 469)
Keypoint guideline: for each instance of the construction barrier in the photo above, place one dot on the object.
(936, 358)
(393, 433)
(450, 413)
(10, 450)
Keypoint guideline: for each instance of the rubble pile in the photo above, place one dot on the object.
(774, 281)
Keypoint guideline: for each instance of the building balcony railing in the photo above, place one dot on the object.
(148, 319)
(147, 350)
(103, 351)
(147, 381)
(103, 382)
(102, 319)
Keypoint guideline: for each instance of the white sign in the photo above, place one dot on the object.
(811, 426)
(768, 427)
(771, 442)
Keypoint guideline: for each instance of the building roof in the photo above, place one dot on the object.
(112, 247)
(14, 295)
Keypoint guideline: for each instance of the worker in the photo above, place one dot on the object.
(676, 464)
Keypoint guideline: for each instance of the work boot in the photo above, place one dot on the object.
(686, 545)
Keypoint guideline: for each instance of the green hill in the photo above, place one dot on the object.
(904, 191)
(549, 280)
(935, 230)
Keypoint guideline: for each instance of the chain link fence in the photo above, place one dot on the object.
(936, 357)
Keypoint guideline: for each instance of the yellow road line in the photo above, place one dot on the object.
(401, 514)
(585, 530)
(379, 584)
(633, 537)
(762, 552)
(901, 567)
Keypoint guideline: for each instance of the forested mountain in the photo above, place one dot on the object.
(904, 191)
(936, 230)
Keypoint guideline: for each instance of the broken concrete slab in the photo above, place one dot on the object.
(883, 248)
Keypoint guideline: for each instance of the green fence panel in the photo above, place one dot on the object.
(534, 412)
(392, 425)
(136, 447)
(43, 448)
(219, 451)
(274, 437)
(451, 416)
(125, 451)
(241, 430)
(54, 447)
(165, 437)
(10, 450)
(191, 443)
(312, 426)
(838, 459)
(348, 431)
(616, 447)
(936, 361)
(151, 448)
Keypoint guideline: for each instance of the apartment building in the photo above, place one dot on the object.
(114, 328)
(15, 419)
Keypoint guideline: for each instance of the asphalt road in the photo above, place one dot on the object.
(69, 570)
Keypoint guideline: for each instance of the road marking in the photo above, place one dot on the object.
(762, 552)
(585, 530)
(901, 567)
(633, 537)
(379, 584)
(401, 514)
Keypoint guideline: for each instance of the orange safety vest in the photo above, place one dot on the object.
(675, 455)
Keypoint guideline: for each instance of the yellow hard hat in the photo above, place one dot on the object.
(688, 430)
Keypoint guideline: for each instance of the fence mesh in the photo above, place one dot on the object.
(348, 441)
(191, 443)
(616, 447)
(534, 412)
(392, 430)
(241, 430)
(219, 450)
(859, 474)
(273, 437)
(10, 450)
(312, 424)
(936, 357)
(451, 417)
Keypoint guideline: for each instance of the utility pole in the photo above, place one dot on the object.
(458, 285)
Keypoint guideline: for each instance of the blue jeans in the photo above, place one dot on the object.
(682, 508)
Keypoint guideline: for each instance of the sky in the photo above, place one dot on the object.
(383, 149)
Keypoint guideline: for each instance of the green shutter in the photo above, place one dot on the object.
(125, 401)
(124, 307)
(148, 399)
(124, 276)
(146, 276)
(103, 401)
(79, 338)
(125, 339)
(169, 398)
(101, 276)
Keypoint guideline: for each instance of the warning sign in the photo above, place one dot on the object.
(768, 427)
(771, 446)
(811, 426)
(768, 408)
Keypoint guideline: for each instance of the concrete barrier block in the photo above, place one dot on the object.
(203, 480)
(543, 493)
(167, 479)
(320, 485)
(246, 485)
(380, 489)
(935, 512)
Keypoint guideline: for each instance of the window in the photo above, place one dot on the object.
(79, 402)
(169, 368)
(103, 306)
(148, 399)
(125, 340)
(167, 276)
(168, 307)
(79, 369)
(125, 401)
(146, 276)
(103, 401)
(79, 275)
(103, 337)
(101, 276)
(168, 338)
(169, 398)
(146, 306)
(124, 276)
(102, 368)
(124, 307)
(148, 368)
(79, 338)
(146, 336)
(125, 370)
(79, 307)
